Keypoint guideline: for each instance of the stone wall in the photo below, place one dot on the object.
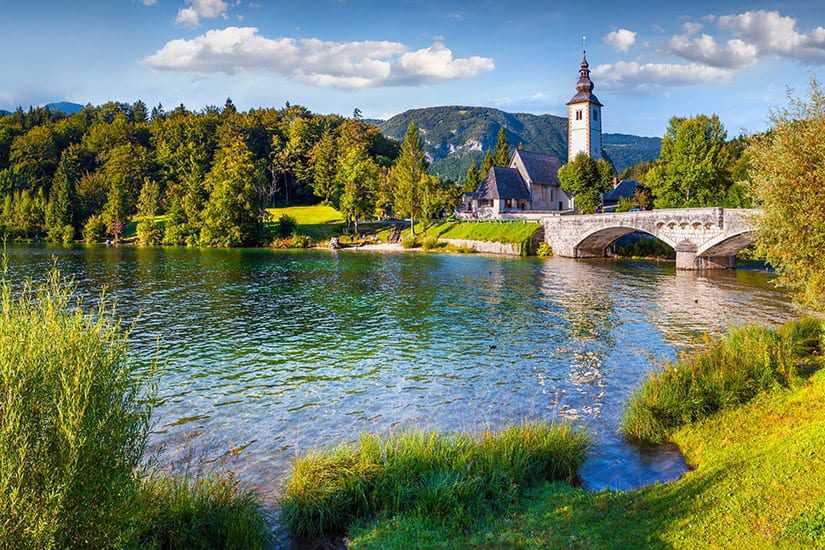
(487, 247)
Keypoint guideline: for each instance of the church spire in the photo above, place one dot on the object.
(584, 84)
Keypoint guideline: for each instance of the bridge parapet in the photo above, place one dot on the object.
(704, 238)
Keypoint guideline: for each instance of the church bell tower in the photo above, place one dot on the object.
(584, 118)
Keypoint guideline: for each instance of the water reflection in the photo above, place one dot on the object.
(271, 353)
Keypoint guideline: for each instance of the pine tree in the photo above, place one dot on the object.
(232, 216)
(501, 157)
(472, 180)
(358, 177)
(486, 164)
(408, 173)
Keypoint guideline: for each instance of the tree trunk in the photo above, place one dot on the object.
(412, 226)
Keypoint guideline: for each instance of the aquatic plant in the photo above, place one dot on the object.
(430, 474)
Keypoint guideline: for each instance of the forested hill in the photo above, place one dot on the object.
(454, 136)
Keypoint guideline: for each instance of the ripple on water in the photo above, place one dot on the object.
(266, 354)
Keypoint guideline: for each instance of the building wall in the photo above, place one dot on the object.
(595, 131)
(578, 136)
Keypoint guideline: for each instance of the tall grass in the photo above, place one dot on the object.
(211, 512)
(727, 372)
(74, 418)
(73, 421)
(453, 477)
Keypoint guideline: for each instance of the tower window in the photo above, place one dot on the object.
(595, 114)
(579, 114)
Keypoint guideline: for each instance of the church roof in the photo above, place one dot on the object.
(502, 183)
(541, 168)
(625, 189)
(584, 87)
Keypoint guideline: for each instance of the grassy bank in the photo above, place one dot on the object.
(318, 222)
(74, 418)
(429, 476)
(758, 478)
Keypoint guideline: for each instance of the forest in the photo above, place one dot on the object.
(196, 178)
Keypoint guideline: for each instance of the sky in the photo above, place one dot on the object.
(649, 60)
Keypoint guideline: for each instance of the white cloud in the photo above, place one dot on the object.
(633, 75)
(200, 9)
(314, 61)
(620, 40)
(149, 2)
(774, 33)
(734, 54)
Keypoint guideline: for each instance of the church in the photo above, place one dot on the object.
(531, 182)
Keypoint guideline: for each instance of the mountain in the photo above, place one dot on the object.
(455, 136)
(65, 107)
(4, 113)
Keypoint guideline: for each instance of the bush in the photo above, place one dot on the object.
(409, 241)
(429, 243)
(300, 241)
(544, 251)
(646, 248)
(149, 232)
(213, 512)
(285, 226)
(727, 372)
(435, 475)
(73, 421)
(95, 229)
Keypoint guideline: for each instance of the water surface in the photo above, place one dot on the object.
(269, 353)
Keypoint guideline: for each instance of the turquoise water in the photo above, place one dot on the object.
(269, 353)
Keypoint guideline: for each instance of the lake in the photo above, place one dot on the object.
(268, 353)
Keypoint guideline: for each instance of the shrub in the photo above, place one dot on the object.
(409, 241)
(544, 251)
(95, 229)
(429, 243)
(300, 241)
(285, 226)
(727, 372)
(73, 421)
(213, 512)
(149, 232)
(436, 475)
(646, 248)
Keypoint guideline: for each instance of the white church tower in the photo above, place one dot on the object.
(584, 118)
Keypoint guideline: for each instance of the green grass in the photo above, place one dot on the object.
(211, 512)
(426, 475)
(758, 481)
(318, 222)
(726, 373)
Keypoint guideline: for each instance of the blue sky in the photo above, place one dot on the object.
(650, 60)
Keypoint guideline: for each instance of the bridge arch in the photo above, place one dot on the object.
(595, 242)
(727, 244)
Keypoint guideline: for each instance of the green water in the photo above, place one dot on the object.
(269, 353)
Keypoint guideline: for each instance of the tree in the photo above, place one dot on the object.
(586, 179)
(324, 160)
(358, 178)
(473, 178)
(788, 172)
(501, 156)
(34, 156)
(148, 206)
(692, 169)
(486, 164)
(408, 173)
(232, 215)
(58, 210)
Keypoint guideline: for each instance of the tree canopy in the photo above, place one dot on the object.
(586, 178)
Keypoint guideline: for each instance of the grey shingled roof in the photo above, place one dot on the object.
(581, 97)
(502, 183)
(542, 169)
(624, 190)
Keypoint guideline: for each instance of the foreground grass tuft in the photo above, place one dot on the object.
(212, 512)
(726, 373)
(758, 482)
(432, 475)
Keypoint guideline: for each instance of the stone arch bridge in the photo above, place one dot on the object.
(704, 238)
